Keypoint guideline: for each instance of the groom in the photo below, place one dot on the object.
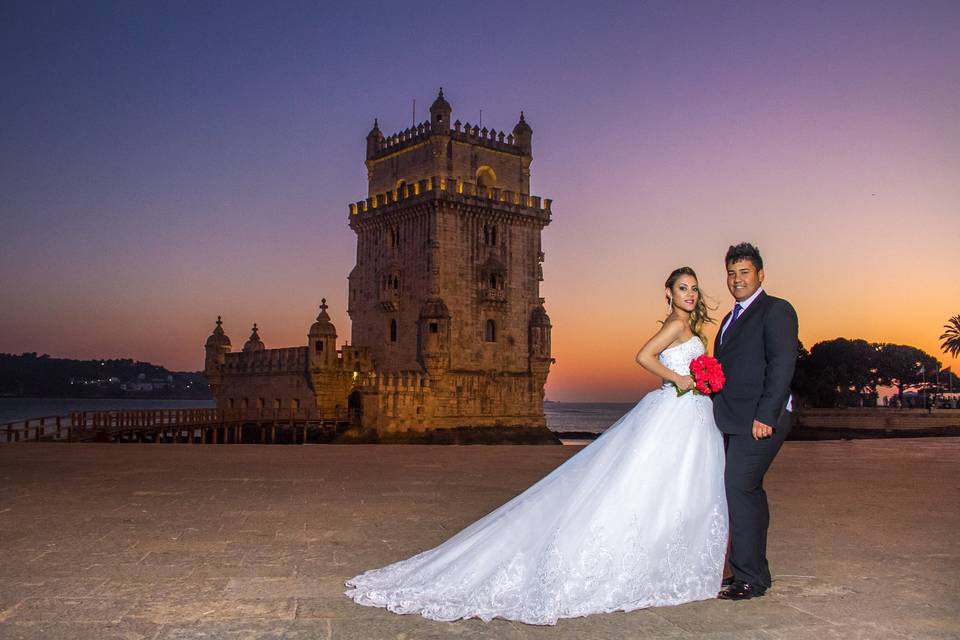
(757, 348)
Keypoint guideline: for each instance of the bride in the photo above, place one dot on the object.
(636, 519)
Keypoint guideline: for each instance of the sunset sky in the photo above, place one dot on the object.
(163, 163)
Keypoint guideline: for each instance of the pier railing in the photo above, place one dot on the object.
(211, 426)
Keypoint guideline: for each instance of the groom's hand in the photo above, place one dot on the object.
(761, 431)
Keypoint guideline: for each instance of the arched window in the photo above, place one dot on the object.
(486, 177)
(490, 333)
(393, 330)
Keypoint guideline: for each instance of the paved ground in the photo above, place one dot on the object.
(179, 541)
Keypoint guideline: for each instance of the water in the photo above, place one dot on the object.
(592, 417)
(13, 409)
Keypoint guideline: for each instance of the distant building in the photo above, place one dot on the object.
(448, 326)
(142, 383)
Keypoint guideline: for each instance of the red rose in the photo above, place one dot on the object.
(707, 375)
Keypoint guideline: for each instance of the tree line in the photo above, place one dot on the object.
(848, 372)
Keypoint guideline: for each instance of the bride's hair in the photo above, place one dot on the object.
(701, 313)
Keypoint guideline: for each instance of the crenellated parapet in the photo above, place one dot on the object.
(382, 146)
(491, 138)
(450, 188)
(516, 142)
(463, 132)
(285, 360)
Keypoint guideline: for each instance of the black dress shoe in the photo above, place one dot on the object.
(741, 590)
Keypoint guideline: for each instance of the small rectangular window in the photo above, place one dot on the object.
(434, 327)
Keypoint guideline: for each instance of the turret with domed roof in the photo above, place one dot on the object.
(374, 139)
(523, 135)
(440, 112)
(217, 347)
(322, 340)
(254, 343)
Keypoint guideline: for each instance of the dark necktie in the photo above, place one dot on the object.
(737, 310)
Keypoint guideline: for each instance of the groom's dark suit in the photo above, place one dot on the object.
(758, 353)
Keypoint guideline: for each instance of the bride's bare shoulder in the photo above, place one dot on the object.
(669, 333)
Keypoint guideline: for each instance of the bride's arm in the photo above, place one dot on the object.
(647, 356)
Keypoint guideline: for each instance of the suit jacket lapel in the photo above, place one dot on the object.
(717, 344)
(734, 330)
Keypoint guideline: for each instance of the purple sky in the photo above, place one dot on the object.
(164, 163)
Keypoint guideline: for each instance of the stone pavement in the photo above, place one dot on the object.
(105, 541)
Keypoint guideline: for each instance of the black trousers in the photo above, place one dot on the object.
(747, 462)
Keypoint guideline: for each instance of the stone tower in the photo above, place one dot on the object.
(216, 349)
(448, 275)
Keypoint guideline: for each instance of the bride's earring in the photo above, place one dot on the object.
(669, 303)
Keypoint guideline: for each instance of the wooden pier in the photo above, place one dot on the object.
(189, 426)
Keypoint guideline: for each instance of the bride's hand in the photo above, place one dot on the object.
(685, 383)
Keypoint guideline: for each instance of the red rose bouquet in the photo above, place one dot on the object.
(707, 375)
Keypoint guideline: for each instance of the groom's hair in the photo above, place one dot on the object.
(744, 251)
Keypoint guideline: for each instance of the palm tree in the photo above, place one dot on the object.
(951, 337)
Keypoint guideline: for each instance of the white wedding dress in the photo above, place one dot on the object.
(636, 519)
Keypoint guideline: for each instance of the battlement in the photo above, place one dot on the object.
(454, 189)
(470, 134)
(287, 359)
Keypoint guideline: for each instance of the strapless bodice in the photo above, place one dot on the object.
(679, 357)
